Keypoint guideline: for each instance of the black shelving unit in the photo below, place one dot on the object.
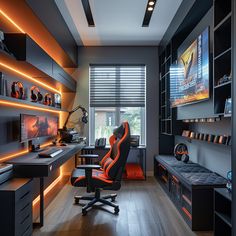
(222, 53)
(222, 212)
(165, 108)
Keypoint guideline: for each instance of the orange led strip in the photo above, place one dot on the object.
(13, 155)
(15, 104)
(10, 20)
(30, 78)
(21, 153)
(49, 188)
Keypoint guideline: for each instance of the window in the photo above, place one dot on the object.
(117, 93)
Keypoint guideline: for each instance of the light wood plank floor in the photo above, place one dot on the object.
(144, 210)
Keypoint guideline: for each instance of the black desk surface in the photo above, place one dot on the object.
(108, 147)
(30, 165)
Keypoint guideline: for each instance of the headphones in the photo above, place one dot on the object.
(17, 90)
(181, 152)
(47, 99)
(36, 97)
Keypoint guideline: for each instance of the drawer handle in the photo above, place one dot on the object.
(25, 207)
(24, 195)
(24, 219)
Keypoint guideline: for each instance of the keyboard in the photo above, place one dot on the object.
(52, 152)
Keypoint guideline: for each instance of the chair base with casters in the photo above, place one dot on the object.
(97, 198)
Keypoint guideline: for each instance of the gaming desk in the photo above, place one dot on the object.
(31, 166)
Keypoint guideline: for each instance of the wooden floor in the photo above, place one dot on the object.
(144, 210)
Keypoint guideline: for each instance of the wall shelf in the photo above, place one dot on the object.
(190, 140)
(222, 212)
(222, 21)
(32, 105)
(222, 62)
(224, 84)
(33, 60)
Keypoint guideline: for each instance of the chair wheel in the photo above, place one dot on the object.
(117, 210)
(113, 199)
(84, 212)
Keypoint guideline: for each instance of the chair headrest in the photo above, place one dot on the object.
(119, 132)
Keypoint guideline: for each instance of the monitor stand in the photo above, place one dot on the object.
(34, 147)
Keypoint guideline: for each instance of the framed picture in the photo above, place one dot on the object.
(228, 107)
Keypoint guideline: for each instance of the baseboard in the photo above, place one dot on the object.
(150, 173)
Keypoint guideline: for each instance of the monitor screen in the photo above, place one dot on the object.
(189, 79)
(33, 126)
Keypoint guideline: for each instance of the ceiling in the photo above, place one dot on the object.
(118, 22)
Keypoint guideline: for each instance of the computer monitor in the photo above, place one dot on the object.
(35, 126)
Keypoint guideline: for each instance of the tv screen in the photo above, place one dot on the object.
(189, 79)
(33, 126)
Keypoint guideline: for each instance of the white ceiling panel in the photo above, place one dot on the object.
(118, 22)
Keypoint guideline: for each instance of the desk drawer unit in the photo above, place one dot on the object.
(16, 207)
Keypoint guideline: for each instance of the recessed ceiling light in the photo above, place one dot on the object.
(151, 3)
(148, 12)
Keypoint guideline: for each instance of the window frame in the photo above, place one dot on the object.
(117, 112)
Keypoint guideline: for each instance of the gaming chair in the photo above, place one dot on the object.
(108, 174)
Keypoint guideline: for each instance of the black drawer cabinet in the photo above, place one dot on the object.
(190, 187)
(16, 207)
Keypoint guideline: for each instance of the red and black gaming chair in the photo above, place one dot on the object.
(106, 176)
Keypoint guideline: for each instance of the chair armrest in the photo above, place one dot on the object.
(88, 167)
(88, 174)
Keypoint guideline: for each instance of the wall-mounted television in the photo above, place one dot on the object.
(189, 79)
(33, 126)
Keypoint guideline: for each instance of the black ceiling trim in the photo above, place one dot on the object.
(148, 13)
(88, 13)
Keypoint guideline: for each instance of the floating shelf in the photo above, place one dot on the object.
(35, 62)
(31, 105)
(222, 21)
(224, 84)
(190, 139)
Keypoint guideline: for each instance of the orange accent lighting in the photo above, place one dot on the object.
(15, 104)
(49, 188)
(11, 156)
(12, 22)
(30, 78)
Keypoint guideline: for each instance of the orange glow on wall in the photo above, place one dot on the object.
(16, 104)
(11, 21)
(16, 154)
(29, 77)
(49, 188)
(31, 25)
(11, 156)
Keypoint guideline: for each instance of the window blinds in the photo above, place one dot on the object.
(117, 85)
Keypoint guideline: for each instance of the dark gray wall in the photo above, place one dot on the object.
(215, 157)
(51, 17)
(125, 55)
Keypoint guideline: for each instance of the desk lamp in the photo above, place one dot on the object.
(70, 135)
